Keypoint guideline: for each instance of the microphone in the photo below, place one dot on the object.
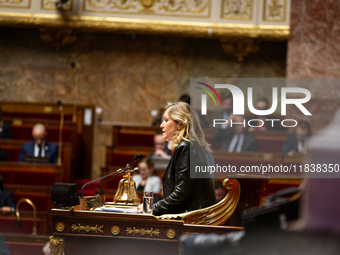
(119, 171)
(136, 171)
(60, 131)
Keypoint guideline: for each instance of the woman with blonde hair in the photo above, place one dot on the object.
(181, 191)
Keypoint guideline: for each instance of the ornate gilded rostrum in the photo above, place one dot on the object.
(57, 245)
(87, 228)
(142, 231)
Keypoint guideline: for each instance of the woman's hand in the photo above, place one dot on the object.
(140, 208)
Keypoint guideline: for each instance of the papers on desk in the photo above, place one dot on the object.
(116, 209)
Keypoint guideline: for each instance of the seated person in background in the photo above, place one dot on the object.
(236, 138)
(296, 142)
(7, 199)
(5, 130)
(39, 147)
(3, 155)
(263, 104)
(227, 105)
(220, 191)
(161, 148)
(145, 181)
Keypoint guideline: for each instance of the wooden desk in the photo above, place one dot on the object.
(31, 174)
(88, 232)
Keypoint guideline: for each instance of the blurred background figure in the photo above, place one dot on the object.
(227, 106)
(3, 247)
(3, 155)
(220, 191)
(7, 199)
(296, 143)
(39, 147)
(184, 98)
(263, 104)
(5, 130)
(146, 181)
(161, 148)
(235, 139)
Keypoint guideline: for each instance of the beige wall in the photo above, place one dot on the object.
(126, 77)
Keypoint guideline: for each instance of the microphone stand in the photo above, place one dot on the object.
(60, 132)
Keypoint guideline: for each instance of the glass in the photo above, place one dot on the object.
(147, 201)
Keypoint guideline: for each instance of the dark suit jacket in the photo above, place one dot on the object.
(5, 132)
(181, 191)
(51, 150)
(3, 247)
(290, 144)
(7, 198)
(223, 138)
(3, 155)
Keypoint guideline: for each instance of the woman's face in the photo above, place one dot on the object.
(169, 127)
(145, 171)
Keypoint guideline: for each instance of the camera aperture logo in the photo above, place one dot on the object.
(238, 104)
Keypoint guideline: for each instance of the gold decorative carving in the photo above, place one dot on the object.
(150, 27)
(240, 47)
(57, 245)
(26, 4)
(51, 5)
(274, 10)
(216, 214)
(58, 37)
(115, 230)
(237, 9)
(187, 8)
(171, 233)
(143, 231)
(60, 226)
(87, 228)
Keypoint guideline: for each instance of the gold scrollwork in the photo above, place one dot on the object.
(142, 231)
(87, 228)
(158, 7)
(216, 214)
(57, 245)
(115, 230)
(15, 3)
(275, 10)
(171, 233)
(60, 226)
(239, 9)
(240, 47)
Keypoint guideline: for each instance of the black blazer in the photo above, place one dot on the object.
(223, 138)
(7, 198)
(3, 155)
(5, 132)
(181, 191)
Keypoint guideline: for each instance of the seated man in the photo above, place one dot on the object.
(7, 199)
(236, 138)
(296, 142)
(161, 148)
(5, 129)
(3, 155)
(39, 147)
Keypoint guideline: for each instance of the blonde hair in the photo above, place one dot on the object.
(182, 113)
